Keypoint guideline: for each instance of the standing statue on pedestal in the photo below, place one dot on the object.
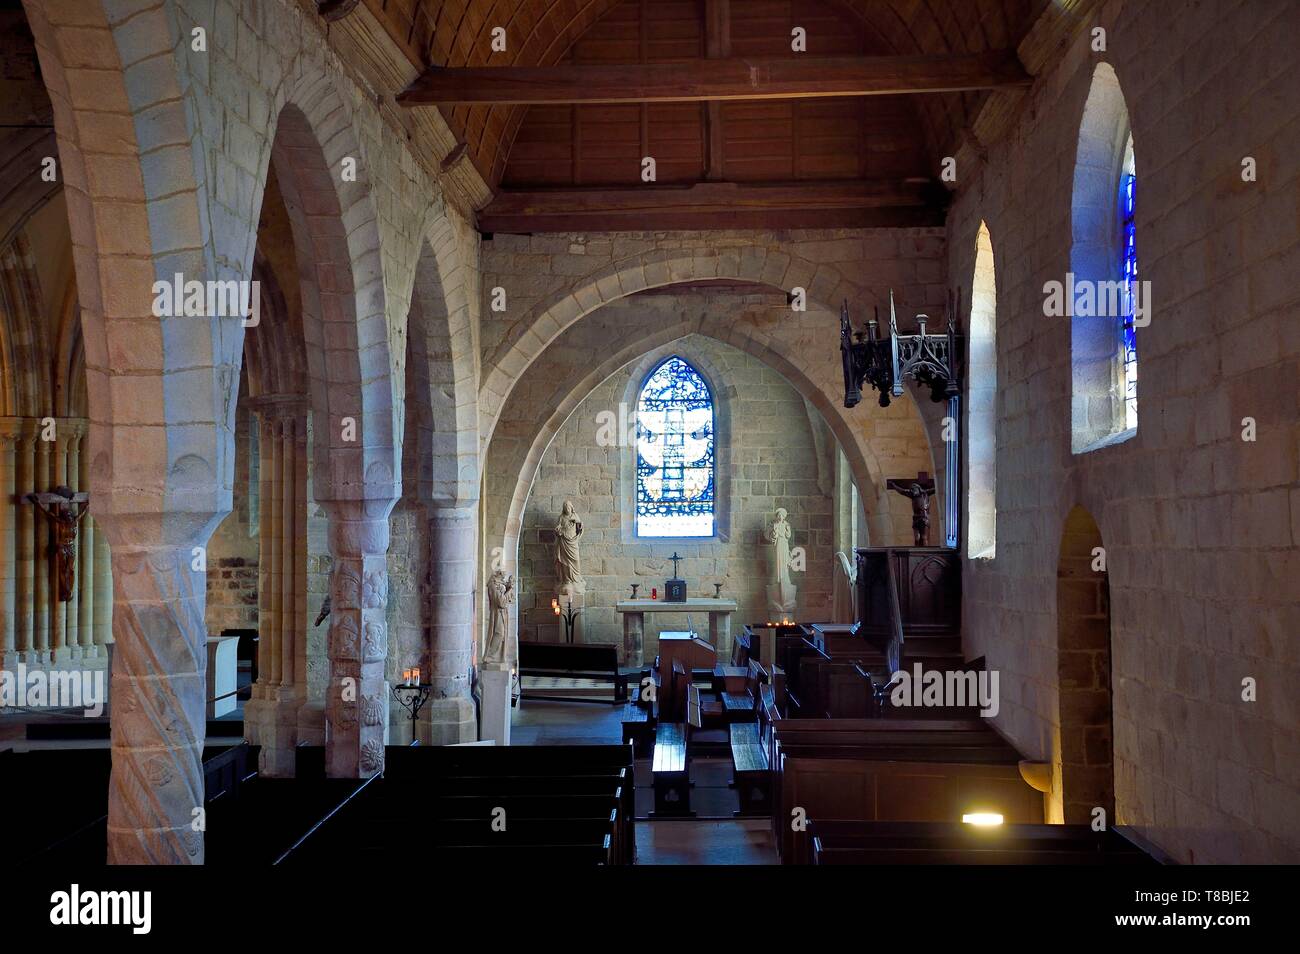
(501, 593)
(568, 565)
(781, 593)
(778, 533)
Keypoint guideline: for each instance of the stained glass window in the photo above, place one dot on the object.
(1128, 332)
(674, 453)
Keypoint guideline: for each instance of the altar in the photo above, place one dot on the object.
(634, 623)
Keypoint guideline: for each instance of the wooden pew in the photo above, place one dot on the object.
(751, 777)
(741, 706)
(671, 770)
(913, 843)
(615, 764)
(572, 804)
(887, 770)
(593, 662)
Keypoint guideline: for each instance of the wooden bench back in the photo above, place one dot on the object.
(694, 710)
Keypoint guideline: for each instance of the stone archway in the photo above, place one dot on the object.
(1084, 759)
(356, 476)
(543, 325)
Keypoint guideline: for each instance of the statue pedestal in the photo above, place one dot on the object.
(781, 600)
(495, 717)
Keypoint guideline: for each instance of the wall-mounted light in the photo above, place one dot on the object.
(982, 819)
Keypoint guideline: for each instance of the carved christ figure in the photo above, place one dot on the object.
(64, 515)
(778, 534)
(920, 491)
(501, 593)
(568, 565)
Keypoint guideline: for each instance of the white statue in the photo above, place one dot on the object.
(845, 590)
(501, 593)
(778, 533)
(568, 565)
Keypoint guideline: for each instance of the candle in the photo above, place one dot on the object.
(654, 594)
(415, 677)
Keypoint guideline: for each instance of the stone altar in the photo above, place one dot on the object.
(634, 623)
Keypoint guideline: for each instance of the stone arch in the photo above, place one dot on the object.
(24, 358)
(344, 320)
(531, 336)
(1084, 758)
(145, 207)
(514, 455)
(982, 404)
(442, 345)
(1097, 416)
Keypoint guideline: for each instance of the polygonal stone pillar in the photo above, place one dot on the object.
(448, 717)
(356, 698)
(159, 682)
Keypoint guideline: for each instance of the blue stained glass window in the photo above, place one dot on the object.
(674, 453)
(1128, 332)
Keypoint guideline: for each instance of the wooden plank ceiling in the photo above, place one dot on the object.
(784, 162)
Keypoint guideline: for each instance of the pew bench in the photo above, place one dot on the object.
(671, 770)
(638, 728)
(914, 843)
(594, 663)
(742, 706)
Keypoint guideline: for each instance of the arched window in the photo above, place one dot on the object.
(981, 406)
(1129, 269)
(1107, 301)
(674, 453)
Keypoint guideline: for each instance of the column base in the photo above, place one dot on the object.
(441, 722)
(274, 727)
(311, 724)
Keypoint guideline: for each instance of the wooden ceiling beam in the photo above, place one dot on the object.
(724, 78)
(859, 203)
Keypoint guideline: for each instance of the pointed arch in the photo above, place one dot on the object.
(344, 320)
(981, 405)
(443, 359)
(1099, 412)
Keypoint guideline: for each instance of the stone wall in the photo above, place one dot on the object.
(1200, 528)
(768, 455)
(233, 548)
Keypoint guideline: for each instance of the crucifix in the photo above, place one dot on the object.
(675, 558)
(64, 509)
(919, 489)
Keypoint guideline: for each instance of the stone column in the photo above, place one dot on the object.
(271, 716)
(9, 508)
(159, 687)
(41, 562)
(70, 476)
(86, 552)
(25, 547)
(448, 716)
(103, 590)
(356, 698)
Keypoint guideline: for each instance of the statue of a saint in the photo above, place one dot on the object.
(778, 533)
(64, 510)
(501, 593)
(568, 566)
